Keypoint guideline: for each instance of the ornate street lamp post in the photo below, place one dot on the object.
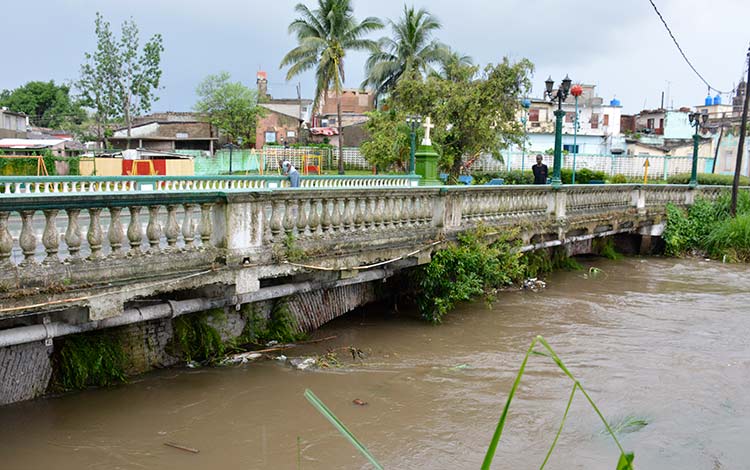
(413, 122)
(559, 95)
(576, 91)
(696, 120)
(526, 104)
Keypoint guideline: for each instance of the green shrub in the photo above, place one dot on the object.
(471, 268)
(731, 239)
(618, 179)
(583, 175)
(708, 179)
(194, 339)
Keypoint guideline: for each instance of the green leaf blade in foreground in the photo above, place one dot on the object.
(328, 414)
(626, 461)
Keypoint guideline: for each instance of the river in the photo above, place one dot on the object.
(662, 340)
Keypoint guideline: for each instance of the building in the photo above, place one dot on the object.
(13, 125)
(168, 132)
(285, 119)
(598, 124)
(355, 104)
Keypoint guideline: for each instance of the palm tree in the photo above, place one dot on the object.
(324, 35)
(450, 62)
(410, 52)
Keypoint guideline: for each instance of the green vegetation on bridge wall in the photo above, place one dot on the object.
(479, 264)
(706, 228)
(90, 359)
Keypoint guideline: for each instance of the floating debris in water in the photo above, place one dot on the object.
(359, 402)
(460, 367)
(534, 284)
(193, 365)
(280, 357)
(303, 364)
(242, 358)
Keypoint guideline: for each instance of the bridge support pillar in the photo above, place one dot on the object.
(246, 281)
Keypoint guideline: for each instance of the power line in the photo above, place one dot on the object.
(683, 53)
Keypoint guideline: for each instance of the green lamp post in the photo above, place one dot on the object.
(696, 120)
(559, 95)
(413, 122)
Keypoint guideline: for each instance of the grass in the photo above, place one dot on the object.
(623, 425)
(626, 459)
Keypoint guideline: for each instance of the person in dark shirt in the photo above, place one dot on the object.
(540, 171)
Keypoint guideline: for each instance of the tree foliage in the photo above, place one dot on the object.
(230, 106)
(46, 104)
(324, 35)
(473, 109)
(389, 143)
(410, 52)
(119, 80)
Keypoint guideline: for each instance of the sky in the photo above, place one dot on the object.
(619, 45)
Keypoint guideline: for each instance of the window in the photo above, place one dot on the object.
(291, 134)
(594, 121)
(569, 117)
(571, 148)
(533, 115)
(650, 123)
(606, 120)
(661, 123)
(270, 137)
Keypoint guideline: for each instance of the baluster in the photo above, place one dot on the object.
(266, 213)
(27, 240)
(314, 219)
(94, 235)
(349, 214)
(206, 227)
(369, 213)
(378, 215)
(407, 213)
(338, 216)
(327, 222)
(153, 229)
(6, 240)
(173, 228)
(73, 233)
(359, 216)
(289, 216)
(277, 218)
(135, 231)
(397, 211)
(302, 217)
(116, 235)
(50, 237)
(188, 227)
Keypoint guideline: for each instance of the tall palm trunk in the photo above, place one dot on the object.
(341, 133)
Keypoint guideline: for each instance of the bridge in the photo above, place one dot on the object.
(84, 254)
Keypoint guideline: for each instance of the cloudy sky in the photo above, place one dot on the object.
(619, 45)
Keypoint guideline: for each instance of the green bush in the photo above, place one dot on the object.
(618, 179)
(731, 239)
(583, 175)
(509, 177)
(708, 179)
(471, 268)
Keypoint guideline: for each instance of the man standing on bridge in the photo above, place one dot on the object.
(540, 171)
(288, 169)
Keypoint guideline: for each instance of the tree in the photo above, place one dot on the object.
(451, 60)
(389, 143)
(230, 106)
(119, 80)
(324, 35)
(409, 53)
(46, 104)
(474, 111)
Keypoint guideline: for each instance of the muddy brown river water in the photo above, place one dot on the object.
(662, 340)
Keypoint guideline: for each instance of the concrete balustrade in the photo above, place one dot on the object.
(11, 185)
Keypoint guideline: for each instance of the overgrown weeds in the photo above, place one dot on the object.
(91, 359)
(707, 228)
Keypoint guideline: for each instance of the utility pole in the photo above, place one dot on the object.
(741, 147)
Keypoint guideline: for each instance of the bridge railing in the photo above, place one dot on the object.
(108, 184)
(52, 227)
